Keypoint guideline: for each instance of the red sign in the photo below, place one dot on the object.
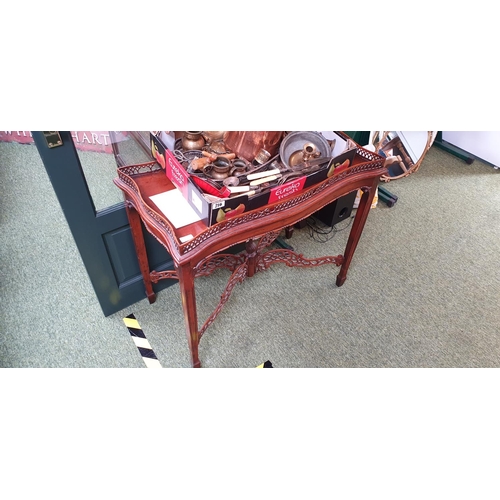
(85, 141)
(175, 172)
(281, 192)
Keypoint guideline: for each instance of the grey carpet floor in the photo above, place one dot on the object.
(423, 289)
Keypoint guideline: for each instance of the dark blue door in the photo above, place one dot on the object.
(96, 215)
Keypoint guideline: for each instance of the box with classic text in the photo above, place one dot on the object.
(212, 209)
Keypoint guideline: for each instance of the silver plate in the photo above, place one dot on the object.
(295, 141)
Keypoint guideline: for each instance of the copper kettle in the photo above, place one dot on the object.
(248, 144)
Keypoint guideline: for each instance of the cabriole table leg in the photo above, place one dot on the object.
(356, 230)
(188, 296)
(140, 248)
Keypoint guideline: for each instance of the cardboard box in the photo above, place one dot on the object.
(212, 210)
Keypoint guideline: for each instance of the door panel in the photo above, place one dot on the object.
(102, 236)
(121, 254)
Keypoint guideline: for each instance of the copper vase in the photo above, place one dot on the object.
(248, 144)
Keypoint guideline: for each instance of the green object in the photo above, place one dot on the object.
(386, 199)
(450, 148)
(362, 138)
(283, 244)
(384, 191)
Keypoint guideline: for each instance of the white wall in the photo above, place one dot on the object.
(484, 145)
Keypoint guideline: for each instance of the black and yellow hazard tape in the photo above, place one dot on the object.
(141, 342)
(266, 364)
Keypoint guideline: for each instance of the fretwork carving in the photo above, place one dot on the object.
(124, 173)
(162, 275)
(238, 276)
(259, 261)
(209, 265)
(267, 239)
(292, 259)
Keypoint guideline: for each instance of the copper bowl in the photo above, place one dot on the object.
(219, 169)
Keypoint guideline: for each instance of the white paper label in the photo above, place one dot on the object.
(175, 207)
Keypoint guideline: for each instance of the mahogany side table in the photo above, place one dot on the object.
(204, 252)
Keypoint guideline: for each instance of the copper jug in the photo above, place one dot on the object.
(192, 140)
(248, 144)
(213, 136)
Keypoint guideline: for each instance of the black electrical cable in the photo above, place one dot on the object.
(322, 234)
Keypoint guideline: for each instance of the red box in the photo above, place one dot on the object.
(211, 212)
